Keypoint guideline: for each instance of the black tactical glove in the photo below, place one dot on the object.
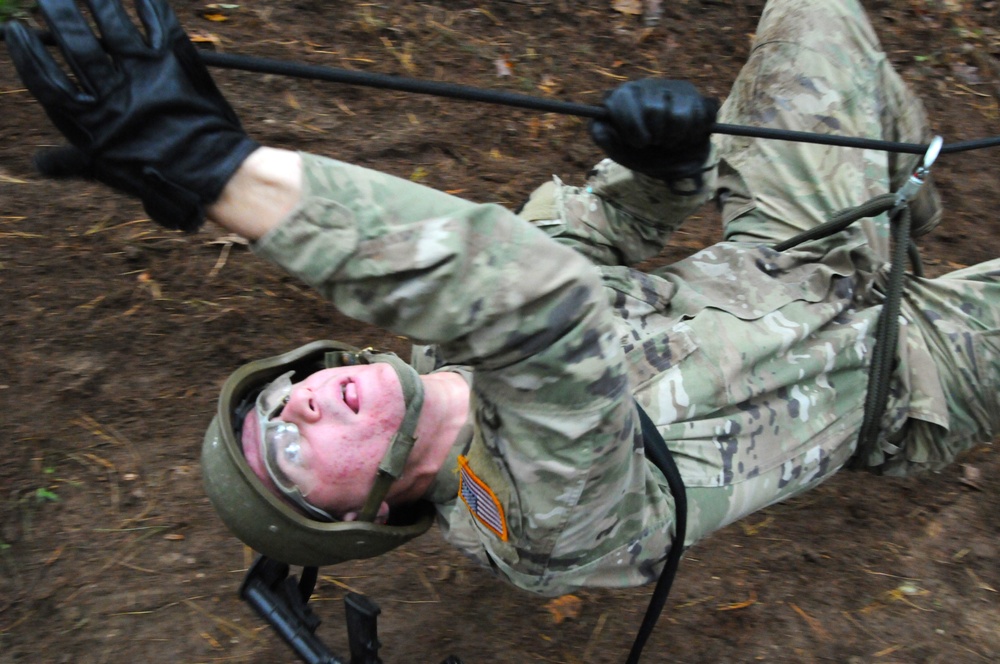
(657, 127)
(144, 116)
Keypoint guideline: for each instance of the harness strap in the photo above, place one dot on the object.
(657, 452)
(887, 327)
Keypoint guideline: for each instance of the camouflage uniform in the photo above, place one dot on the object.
(752, 363)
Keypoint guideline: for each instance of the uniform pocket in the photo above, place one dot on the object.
(648, 336)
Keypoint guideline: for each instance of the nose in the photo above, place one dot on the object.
(302, 406)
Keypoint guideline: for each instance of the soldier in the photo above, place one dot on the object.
(522, 428)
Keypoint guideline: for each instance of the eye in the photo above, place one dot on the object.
(285, 439)
(281, 406)
(293, 453)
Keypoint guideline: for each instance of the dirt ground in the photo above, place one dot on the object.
(115, 337)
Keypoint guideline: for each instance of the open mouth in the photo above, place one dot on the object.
(349, 391)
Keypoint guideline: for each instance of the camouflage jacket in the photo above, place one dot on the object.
(751, 362)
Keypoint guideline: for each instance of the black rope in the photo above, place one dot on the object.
(886, 341)
(840, 220)
(503, 98)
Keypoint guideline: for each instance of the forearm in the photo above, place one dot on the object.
(265, 190)
(620, 217)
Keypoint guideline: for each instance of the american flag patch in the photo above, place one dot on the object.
(481, 500)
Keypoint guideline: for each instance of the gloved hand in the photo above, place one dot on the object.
(143, 116)
(657, 127)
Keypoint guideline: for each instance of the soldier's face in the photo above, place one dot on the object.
(346, 417)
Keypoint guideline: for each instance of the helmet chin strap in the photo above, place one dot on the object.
(394, 461)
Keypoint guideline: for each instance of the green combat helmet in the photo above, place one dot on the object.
(267, 523)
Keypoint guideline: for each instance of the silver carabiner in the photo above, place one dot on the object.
(909, 190)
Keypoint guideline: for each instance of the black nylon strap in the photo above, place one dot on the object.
(657, 452)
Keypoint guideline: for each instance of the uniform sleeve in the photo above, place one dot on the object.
(620, 217)
(489, 288)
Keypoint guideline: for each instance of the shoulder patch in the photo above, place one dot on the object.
(481, 500)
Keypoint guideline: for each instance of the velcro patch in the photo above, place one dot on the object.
(481, 500)
(542, 204)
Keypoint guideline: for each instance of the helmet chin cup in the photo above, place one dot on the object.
(265, 522)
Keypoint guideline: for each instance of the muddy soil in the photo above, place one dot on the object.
(116, 335)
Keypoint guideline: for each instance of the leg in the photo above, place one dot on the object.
(818, 67)
(958, 316)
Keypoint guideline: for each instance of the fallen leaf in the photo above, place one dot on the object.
(971, 477)
(211, 640)
(218, 12)
(566, 607)
(55, 556)
(630, 7)
(343, 107)
(754, 529)
(549, 84)
(739, 605)
(906, 590)
(815, 625)
(979, 582)
(199, 37)
(887, 651)
(148, 283)
(504, 67)
(100, 460)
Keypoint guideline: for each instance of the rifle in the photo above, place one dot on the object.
(283, 602)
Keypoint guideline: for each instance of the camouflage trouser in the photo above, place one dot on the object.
(818, 67)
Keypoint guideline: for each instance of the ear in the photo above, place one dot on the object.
(380, 518)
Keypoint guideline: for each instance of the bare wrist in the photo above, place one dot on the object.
(263, 191)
